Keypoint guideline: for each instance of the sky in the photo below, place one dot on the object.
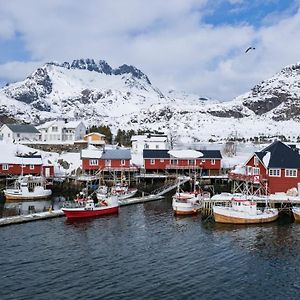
(196, 46)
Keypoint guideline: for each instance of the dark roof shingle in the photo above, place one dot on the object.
(22, 128)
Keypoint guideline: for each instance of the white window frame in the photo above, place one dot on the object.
(174, 162)
(203, 160)
(255, 160)
(274, 172)
(291, 173)
(213, 161)
(5, 167)
(191, 162)
(249, 170)
(123, 162)
(93, 162)
(31, 167)
(256, 171)
(162, 160)
(152, 161)
(108, 163)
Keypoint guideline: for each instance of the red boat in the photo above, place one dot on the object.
(90, 209)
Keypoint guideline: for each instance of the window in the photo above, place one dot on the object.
(255, 160)
(152, 161)
(248, 170)
(157, 146)
(203, 160)
(5, 167)
(146, 146)
(123, 162)
(291, 172)
(256, 171)
(54, 129)
(174, 161)
(107, 162)
(31, 167)
(191, 162)
(93, 162)
(18, 135)
(162, 160)
(213, 161)
(274, 172)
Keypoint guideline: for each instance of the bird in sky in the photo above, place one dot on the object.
(250, 48)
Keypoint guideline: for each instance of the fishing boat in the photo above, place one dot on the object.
(243, 211)
(86, 208)
(28, 187)
(296, 213)
(121, 191)
(188, 206)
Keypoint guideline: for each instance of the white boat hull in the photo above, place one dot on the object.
(12, 194)
(231, 216)
(185, 207)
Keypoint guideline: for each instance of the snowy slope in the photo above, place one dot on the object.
(125, 98)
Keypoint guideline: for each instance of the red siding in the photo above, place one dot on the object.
(18, 169)
(276, 184)
(166, 163)
(115, 163)
(282, 183)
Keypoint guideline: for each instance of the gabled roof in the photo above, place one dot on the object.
(95, 133)
(93, 152)
(116, 154)
(17, 128)
(281, 156)
(150, 153)
(211, 154)
(164, 154)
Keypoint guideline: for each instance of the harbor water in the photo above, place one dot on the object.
(146, 252)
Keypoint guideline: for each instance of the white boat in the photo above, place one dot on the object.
(28, 187)
(296, 213)
(188, 206)
(243, 211)
(122, 192)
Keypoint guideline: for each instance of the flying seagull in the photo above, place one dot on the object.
(250, 48)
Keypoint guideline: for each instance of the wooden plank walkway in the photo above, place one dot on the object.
(31, 217)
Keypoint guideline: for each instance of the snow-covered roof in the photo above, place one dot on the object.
(91, 152)
(73, 124)
(185, 153)
(138, 138)
(11, 154)
(95, 133)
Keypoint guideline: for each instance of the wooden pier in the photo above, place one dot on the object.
(31, 217)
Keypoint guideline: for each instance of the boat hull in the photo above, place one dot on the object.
(11, 196)
(184, 208)
(230, 219)
(74, 213)
(296, 214)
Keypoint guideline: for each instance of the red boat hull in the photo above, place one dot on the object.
(82, 213)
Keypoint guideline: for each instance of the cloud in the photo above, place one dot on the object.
(16, 70)
(168, 40)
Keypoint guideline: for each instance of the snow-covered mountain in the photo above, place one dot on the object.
(125, 98)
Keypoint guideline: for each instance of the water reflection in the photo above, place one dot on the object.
(27, 207)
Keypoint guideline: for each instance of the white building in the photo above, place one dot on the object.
(61, 131)
(16, 132)
(150, 141)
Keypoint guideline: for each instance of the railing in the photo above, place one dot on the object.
(175, 167)
(245, 177)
